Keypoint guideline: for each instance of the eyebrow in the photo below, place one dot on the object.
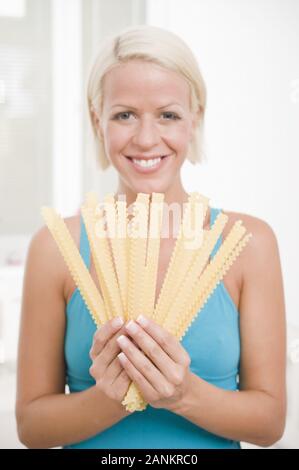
(132, 107)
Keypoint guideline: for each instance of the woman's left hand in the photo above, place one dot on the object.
(161, 368)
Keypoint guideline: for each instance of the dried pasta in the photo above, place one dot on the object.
(126, 255)
(78, 270)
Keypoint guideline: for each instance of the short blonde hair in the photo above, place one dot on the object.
(155, 45)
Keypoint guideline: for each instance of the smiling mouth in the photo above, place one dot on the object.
(147, 165)
(146, 159)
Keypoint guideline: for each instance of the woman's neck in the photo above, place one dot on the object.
(172, 195)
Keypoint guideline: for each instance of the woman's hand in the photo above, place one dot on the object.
(106, 369)
(161, 368)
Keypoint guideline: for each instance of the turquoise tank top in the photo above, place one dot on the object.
(213, 344)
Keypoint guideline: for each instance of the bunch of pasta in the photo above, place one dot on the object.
(125, 249)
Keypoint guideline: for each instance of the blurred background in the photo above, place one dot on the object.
(248, 53)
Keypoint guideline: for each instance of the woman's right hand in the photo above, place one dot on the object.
(106, 369)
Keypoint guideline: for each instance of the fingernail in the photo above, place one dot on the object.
(142, 320)
(122, 356)
(118, 321)
(122, 340)
(132, 327)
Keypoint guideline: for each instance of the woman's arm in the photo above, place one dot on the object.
(46, 416)
(257, 412)
(57, 420)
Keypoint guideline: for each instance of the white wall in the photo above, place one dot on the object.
(102, 18)
(248, 53)
(25, 115)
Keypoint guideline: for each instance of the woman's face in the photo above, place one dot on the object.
(146, 114)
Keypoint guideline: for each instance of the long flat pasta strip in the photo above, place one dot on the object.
(188, 285)
(76, 265)
(225, 267)
(200, 300)
(114, 289)
(103, 264)
(147, 283)
(179, 261)
(120, 252)
(209, 276)
(89, 214)
(152, 257)
(137, 260)
(137, 253)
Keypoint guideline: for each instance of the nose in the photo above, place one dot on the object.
(146, 134)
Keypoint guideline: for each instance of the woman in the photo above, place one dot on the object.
(146, 102)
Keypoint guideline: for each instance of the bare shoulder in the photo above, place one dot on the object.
(262, 246)
(44, 250)
(253, 224)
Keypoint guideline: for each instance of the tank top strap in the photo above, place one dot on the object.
(214, 212)
(84, 244)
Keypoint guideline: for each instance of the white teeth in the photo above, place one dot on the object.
(147, 163)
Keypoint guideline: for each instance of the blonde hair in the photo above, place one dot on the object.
(150, 44)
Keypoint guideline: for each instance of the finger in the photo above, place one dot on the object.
(153, 350)
(122, 381)
(143, 365)
(104, 359)
(172, 371)
(102, 336)
(110, 349)
(146, 389)
(113, 371)
(168, 342)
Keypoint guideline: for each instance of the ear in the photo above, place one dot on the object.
(196, 118)
(96, 123)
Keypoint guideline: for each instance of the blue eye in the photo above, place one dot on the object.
(120, 114)
(175, 116)
(117, 116)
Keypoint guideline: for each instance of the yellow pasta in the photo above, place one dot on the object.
(103, 258)
(179, 261)
(143, 265)
(126, 257)
(137, 254)
(78, 270)
(148, 288)
(120, 252)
